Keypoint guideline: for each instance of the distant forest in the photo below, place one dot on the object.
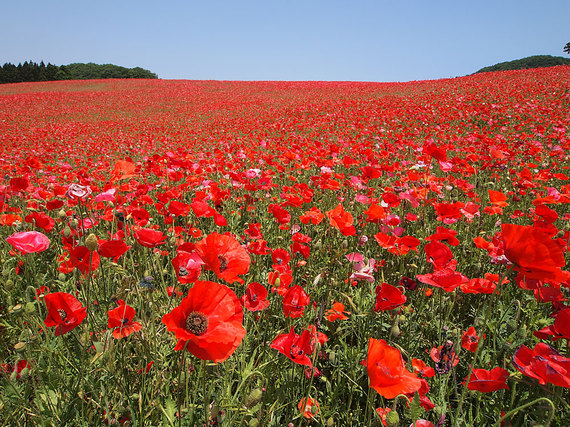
(538, 61)
(31, 71)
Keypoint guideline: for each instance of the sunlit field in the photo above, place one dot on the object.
(204, 253)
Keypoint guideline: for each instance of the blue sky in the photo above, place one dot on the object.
(358, 40)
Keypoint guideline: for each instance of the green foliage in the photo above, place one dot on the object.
(31, 71)
(537, 61)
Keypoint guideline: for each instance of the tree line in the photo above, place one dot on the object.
(31, 71)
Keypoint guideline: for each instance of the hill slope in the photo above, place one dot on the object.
(537, 61)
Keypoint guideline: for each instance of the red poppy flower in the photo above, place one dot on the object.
(208, 322)
(41, 220)
(470, 340)
(449, 213)
(29, 242)
(486, 381)
(309, 407)
(543, 363)
(121, 318)
(387, 372)
(336, 313)
(150, 238)
(65, 312)
(341, 220)
(280, 258)
(444, 357)
(439, 255)
(314, 216)
(177, 208)
(255, 298)
(560, 328)
(281, 215)
(83, 259)
(478, 286)
(421, 368)
(298, 348)
(382, 413)
(445, 235)
(375, 213)
(535, 254)
(294, 302)
(112, 248)
(187, 266)
(388, 297)
(224, 256)
(447, 279)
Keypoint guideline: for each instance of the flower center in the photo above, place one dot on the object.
(182, 271)
(223, 263)
(62, 314)
(197, 323)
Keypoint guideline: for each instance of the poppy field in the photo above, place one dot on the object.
(286, 253)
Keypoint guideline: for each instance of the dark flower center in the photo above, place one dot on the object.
(62, 314)
(182, 271)
(296, 351)
(125, 321)
(223, 263)
(197, 323)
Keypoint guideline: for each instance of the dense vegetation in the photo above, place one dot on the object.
(208, 253)
(34, 72)
(537, 61)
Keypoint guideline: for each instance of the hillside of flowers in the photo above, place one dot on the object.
(204, 253)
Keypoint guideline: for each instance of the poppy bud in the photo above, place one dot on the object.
(91, 242)
(253, 398)
(67, 232)
(522, 332)
(344, 244)
(511, 325)
(254, 422)
(74, 223)
(318, 244)
(61, 277)
(392, 419)
(30, 307)
(61, 214)
(395, 331)
(401, 318)
(330, 422)
(24, 373)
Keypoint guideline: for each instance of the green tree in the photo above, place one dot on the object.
(567, 48)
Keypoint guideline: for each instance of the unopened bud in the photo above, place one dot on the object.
(392, 419)
(253, 398)
(91, 242)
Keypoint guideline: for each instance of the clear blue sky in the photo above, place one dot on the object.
(358, 40)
